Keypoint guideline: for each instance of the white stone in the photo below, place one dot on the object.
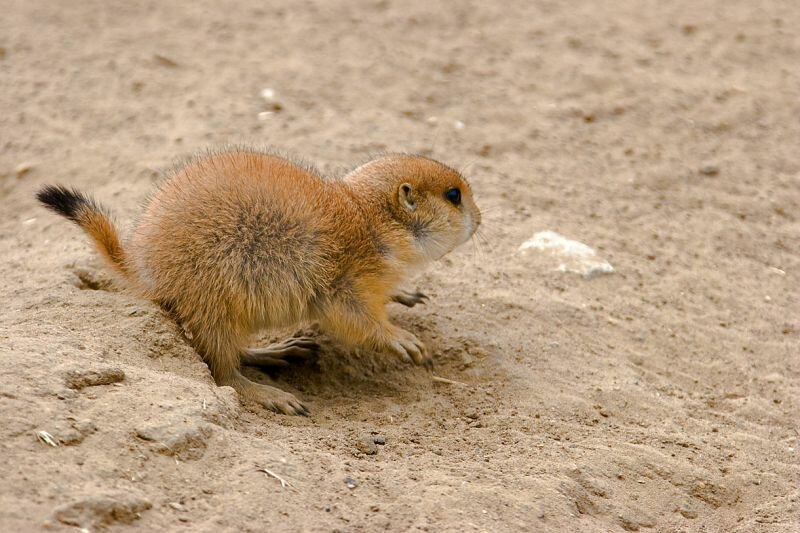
(573, 256)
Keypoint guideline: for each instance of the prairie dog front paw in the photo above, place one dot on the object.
(408, 347)
(408, 298)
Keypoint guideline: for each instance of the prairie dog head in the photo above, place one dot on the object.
(431, 200)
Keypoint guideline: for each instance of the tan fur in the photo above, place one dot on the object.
(102, 231)
(240, 241)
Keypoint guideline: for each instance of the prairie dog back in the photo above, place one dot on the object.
(240, 227)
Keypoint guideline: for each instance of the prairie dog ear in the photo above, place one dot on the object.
(406, 196)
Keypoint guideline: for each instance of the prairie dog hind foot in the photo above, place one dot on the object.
(281, 354)
(266, 396)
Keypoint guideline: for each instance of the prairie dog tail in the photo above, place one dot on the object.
(92, 218)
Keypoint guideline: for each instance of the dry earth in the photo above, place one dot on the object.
(663, 397)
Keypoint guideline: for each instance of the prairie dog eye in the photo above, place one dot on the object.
(453, 196)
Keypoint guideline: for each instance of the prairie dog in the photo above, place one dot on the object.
(240, 241)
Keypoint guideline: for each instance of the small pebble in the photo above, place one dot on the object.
(687, 510)
(380, 440)
(70, 437)
(66, 394)
(136, 311)
(22, 169)
(99, 511)
(164, 61)
(185, 438)
(366, 445)
(634, 518)
(81, 378)
(709, 170)
(350, 483)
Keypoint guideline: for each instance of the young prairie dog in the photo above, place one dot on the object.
(240, 241)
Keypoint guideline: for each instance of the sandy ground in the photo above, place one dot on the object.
(662, 397)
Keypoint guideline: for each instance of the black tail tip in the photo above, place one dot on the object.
(64, 201)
